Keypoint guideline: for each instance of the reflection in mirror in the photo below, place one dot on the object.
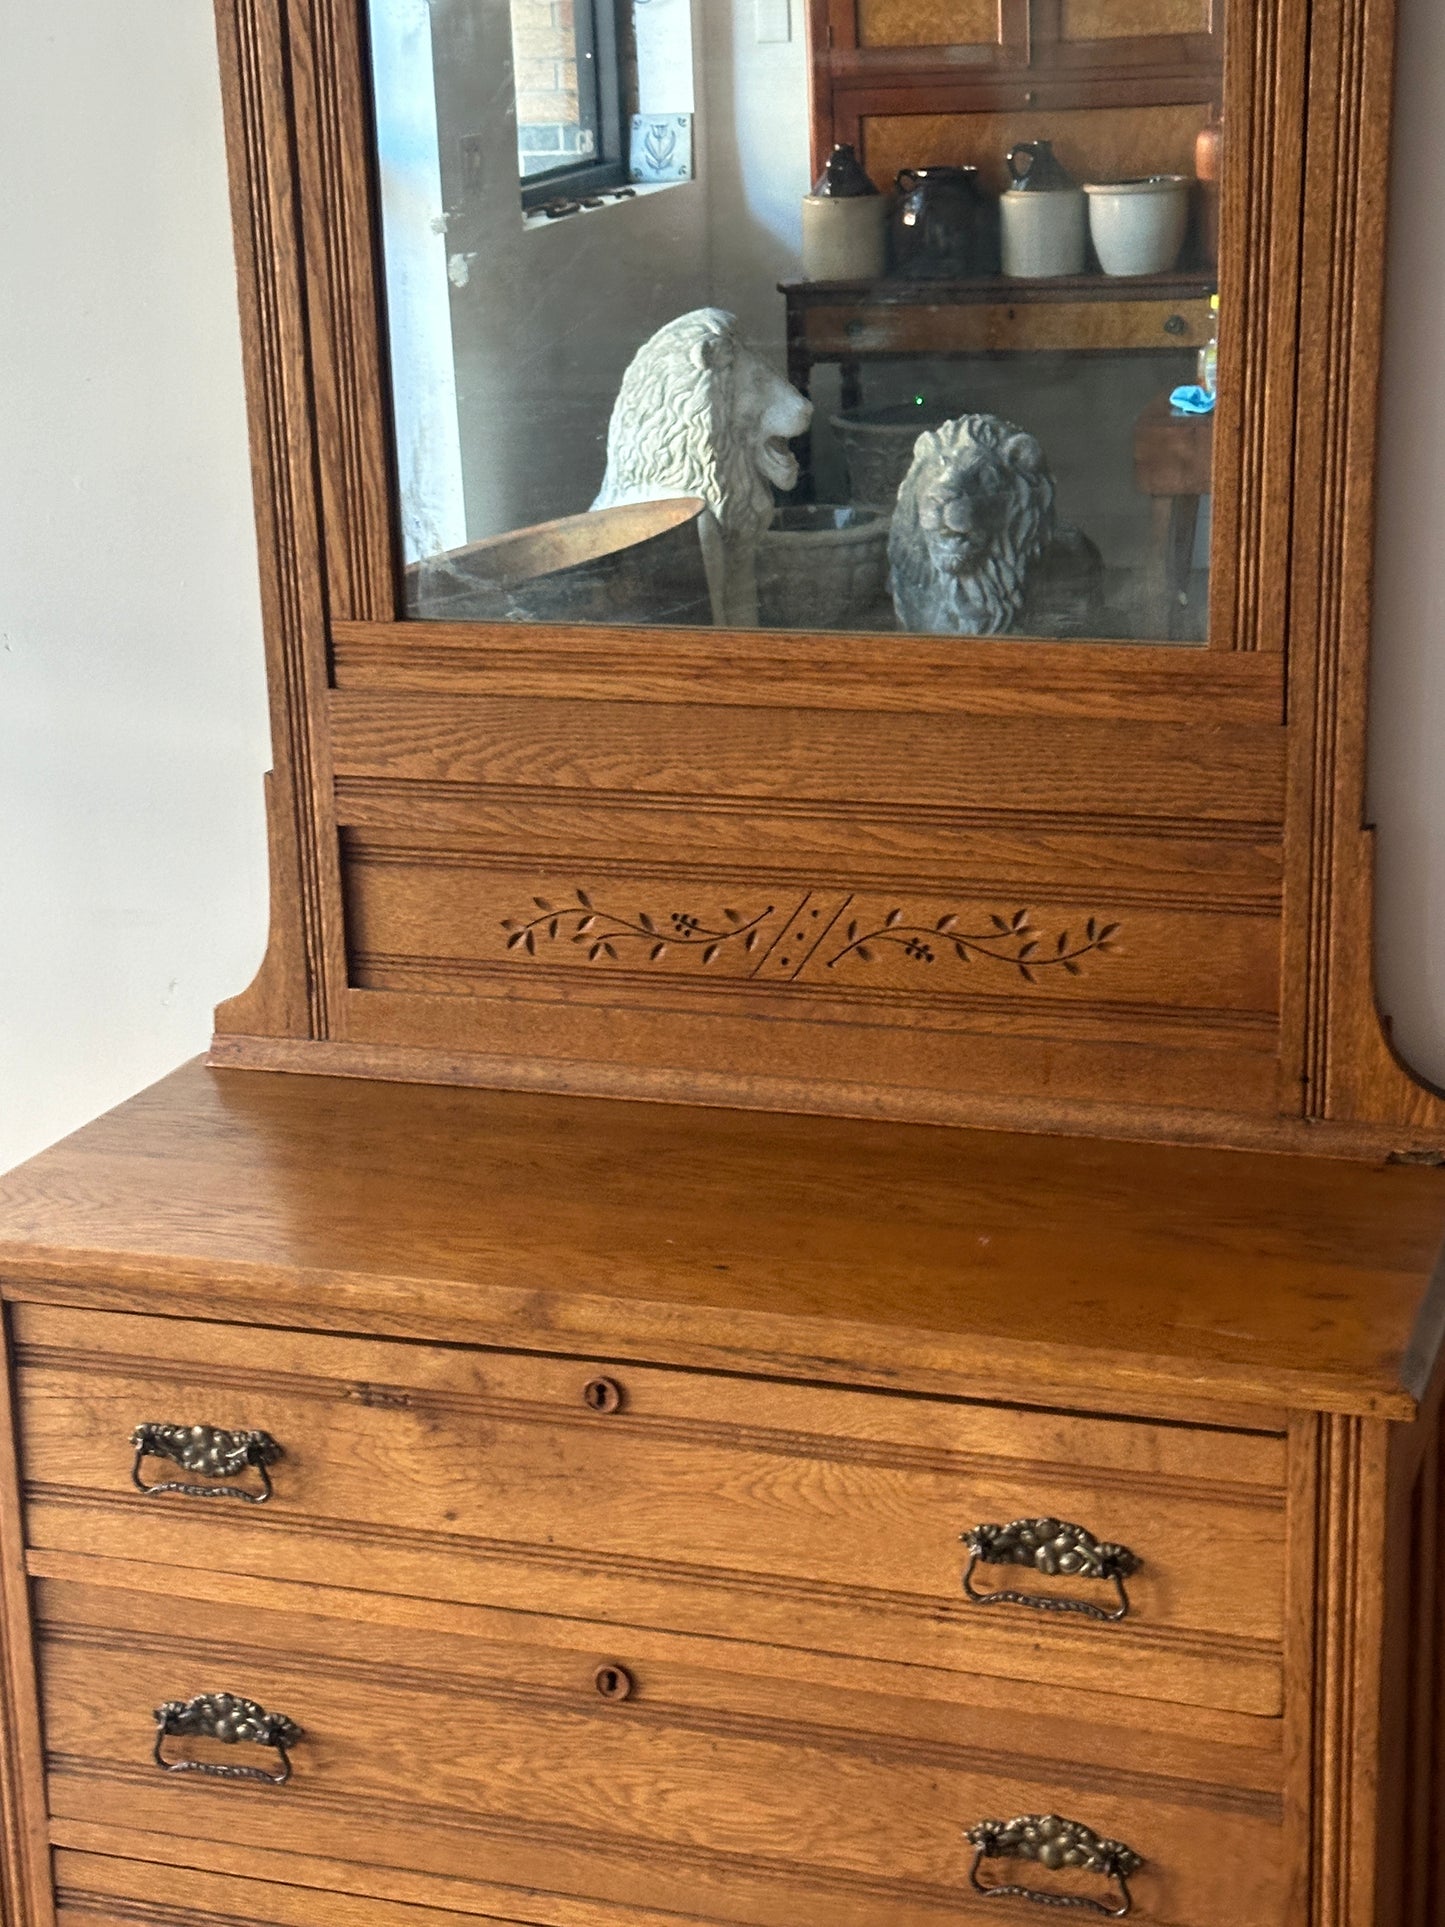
(677, 339)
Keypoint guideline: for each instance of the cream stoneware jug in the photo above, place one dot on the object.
(1043, 215)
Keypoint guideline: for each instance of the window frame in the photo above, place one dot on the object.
(600, 33)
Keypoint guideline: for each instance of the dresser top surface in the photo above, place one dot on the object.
(880, 1253)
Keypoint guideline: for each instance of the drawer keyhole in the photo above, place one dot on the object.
(614, 1682)
(603, 1395)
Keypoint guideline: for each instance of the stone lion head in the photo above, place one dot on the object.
(975, 512)
(699, 413)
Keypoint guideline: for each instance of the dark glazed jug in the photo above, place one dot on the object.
(1036, 168)
(844, 177)
(944, 224)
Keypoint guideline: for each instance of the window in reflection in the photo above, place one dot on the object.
(670, 347)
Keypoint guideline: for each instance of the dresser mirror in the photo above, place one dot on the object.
(850, 316)
(656, 800)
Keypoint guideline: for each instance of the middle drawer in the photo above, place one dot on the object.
(795, 1515)
(648, 1771)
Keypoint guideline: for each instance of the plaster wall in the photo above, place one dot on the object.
(133, 725)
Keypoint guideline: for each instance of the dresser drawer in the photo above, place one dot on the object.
(777, 1512)
(655, 1772)
(1003, 327)
(100, 1890)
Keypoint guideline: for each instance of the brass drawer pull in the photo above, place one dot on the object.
(224, 1716)
(205, 1450)
(1050, 1546)
(1051, 1842)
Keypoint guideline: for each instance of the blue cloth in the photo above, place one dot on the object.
(1192, 401)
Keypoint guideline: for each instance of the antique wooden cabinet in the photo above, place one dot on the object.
(807, 1292)
(629, 1504)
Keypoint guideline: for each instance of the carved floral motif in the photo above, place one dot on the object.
(602, 931)
(1012, 941)
(605, 934)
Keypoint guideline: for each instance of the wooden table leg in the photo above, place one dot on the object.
(1156, 580)
(1179, 557)
(1174, 521)
(800, 375)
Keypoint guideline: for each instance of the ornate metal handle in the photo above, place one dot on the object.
(1048, 1545)
(1052, 1842)
(204, 1449)
(223, 1716)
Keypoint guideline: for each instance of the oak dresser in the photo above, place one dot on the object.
(806, 1291)
(433, 1503)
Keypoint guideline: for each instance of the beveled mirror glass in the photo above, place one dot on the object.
(879, 315)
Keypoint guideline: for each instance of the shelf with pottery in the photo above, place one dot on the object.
(853, 322)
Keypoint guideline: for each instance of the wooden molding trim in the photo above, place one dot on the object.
(302, 968)
(1338, 1062)
(408, 1064)
(26, 1892)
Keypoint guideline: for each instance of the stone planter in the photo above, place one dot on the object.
(823, 567)
(878, 448)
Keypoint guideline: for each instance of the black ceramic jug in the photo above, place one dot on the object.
(1036, 168)
(844, 177)
(944, 224)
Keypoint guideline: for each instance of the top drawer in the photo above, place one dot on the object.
(788, 1514)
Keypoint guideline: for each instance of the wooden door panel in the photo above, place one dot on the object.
(1132, 19)
(956, 24)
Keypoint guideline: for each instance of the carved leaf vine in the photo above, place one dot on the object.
(602, 931)
(1010, 941)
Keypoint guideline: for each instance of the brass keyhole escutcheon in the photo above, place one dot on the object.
(614, 1682)
(602, 1395)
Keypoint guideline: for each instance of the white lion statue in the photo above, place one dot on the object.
(975, 512)
(699, 413)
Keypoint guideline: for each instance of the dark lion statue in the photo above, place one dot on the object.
(975, 520)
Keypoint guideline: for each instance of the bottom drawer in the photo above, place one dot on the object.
(649, 1773)
(106, 1890)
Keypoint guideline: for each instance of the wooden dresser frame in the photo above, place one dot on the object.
(438, 788)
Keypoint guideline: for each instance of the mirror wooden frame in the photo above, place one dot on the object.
(1123, 890)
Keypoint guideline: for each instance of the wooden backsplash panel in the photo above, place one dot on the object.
(935, 901)
(1063, 949)
(965, 1064)
(1094, 143)
(1089, 767)
(850, 846)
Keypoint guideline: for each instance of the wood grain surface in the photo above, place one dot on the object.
(1045, 1272)
(106, 1880)
(776, 1512)
(500, 1767)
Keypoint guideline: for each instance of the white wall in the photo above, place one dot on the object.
(132, 720)
(1407, 738)
(755, 109)
(132, 731)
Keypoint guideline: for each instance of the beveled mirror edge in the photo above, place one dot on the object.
(296, 107)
